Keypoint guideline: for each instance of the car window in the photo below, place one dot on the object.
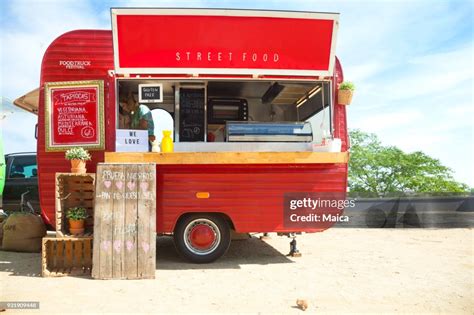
(23, 167)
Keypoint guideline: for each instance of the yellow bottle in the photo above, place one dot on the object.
(167, 142)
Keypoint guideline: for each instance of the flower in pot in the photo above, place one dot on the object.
(346, 90)
(78, 157)
(76, 216)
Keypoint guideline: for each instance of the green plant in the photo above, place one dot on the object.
(347, 85)
(377, 170)
(77, 153)
(76, 213)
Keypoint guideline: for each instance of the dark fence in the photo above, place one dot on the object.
(411, 212)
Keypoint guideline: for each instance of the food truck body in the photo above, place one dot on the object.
(240, 69)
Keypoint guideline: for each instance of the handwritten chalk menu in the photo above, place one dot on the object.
(191, 115)
(150, 93)
(125, 222)
(74, 115)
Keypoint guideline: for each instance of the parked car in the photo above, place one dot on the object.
(21, 176)
(2, 170)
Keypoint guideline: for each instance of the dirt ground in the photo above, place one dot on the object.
(341, 271)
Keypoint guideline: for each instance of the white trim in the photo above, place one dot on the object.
(230, 78)
(224, 71)
(176, 111)
(223, 12)
(114, 40)
(332, 53)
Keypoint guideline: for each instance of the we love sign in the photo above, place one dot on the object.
(125, 221)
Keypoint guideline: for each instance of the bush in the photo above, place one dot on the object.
(78, 153)
(347, 85)
(76, 213)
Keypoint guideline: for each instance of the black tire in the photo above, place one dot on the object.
(375, 218)
(202, 238)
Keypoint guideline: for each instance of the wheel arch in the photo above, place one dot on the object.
(226, 216)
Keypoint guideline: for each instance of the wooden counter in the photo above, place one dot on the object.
(228, 157)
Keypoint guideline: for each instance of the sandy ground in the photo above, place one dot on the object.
(341, 271)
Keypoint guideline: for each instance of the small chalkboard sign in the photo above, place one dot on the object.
(191, 114)
(150, 93)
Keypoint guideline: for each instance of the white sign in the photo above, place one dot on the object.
(150, 93)
(130, 140)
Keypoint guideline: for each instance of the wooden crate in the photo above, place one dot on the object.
(73, 190)
(64, 256)
(125, 222)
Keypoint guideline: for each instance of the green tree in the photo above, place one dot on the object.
(378, 170)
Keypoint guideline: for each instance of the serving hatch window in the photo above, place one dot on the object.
(140, 103)
(150, 93)
(227, 102)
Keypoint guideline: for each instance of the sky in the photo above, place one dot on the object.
(411, 60)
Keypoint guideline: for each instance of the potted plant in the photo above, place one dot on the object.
(346, 90)
(78, 157)
(76, 216)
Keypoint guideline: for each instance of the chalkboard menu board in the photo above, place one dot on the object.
(150, 93)
(191, 115)
(74, 115)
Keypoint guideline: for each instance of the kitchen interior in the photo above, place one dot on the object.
(225, 115)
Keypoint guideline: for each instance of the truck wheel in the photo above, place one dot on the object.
(202, 238)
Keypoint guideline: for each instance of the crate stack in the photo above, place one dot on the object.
(68, 254)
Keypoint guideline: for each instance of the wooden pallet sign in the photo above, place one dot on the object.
(125, 222)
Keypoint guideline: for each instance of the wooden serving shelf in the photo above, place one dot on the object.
(228, 157)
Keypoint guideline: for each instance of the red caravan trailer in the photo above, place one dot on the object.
(275, 61)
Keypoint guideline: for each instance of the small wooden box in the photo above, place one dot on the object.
(74, 190)
(64, 256)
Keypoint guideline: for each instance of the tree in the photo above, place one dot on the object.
(378, 170)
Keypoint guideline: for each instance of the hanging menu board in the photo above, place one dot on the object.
(74, 115)
(191, 115)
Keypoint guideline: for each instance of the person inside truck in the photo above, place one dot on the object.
(140, 116)
(124, 116)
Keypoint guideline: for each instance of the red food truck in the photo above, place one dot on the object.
(253, 105)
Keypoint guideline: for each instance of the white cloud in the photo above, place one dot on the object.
(377, 122)
(466, 109)
(363, 72)
(435, 93)
(25, 38)
(433, 74)
(19, 132)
